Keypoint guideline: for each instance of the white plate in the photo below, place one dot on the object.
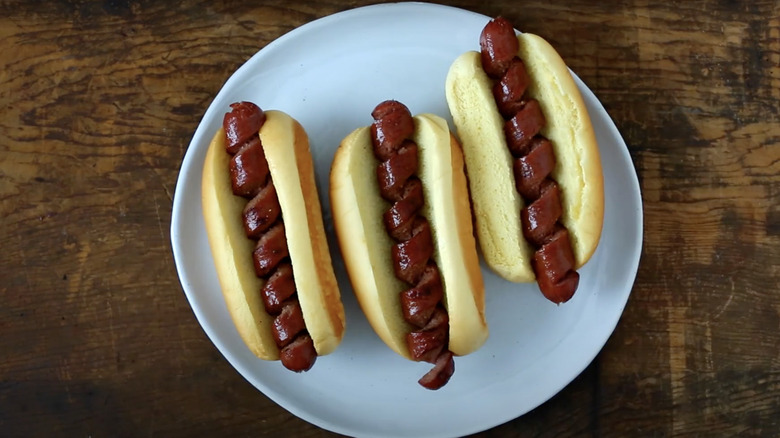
(329, 74)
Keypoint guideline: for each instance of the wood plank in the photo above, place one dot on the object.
(99, 100)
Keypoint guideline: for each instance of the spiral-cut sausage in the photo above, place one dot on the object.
(421, 304)
(250, 178)
(534, 160)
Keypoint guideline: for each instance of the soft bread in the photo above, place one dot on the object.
(365, 245)
(232, 250)
(286, 148)
(449, 212)
(315, 281)
(496, 203)
(357, 216)
(578, 173)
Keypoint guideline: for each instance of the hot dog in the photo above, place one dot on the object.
(401, 212)
(264, 225)
(532, 159)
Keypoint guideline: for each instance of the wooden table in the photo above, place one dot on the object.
(99, 100)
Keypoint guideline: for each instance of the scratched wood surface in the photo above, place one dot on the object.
(98, 102)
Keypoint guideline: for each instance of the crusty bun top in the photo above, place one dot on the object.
(365, 245)
(286, 148)
(578, 173)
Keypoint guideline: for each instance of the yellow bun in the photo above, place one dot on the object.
(496, 202)
(365, 245)
(286, 148)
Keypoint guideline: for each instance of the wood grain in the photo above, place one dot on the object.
(98, 102)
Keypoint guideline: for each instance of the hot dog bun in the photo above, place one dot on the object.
(365, 245)
(286, 148)
(496, 203)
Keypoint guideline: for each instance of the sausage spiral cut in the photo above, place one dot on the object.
(413, 248)
(534, 160)
(262, 220)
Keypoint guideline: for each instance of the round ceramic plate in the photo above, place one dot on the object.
(329, 75)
